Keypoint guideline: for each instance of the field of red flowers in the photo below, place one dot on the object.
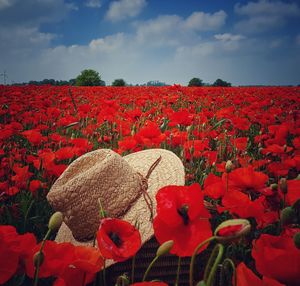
(241, 152)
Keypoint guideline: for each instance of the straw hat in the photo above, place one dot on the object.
(125, 186)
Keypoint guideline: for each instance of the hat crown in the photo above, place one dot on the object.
(99, 175)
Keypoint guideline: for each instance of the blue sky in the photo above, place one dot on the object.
(244, 42)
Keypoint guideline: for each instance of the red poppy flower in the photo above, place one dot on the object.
(118, 239)
(35, 185)
(293, 193)
(22, 175)
(57, 256)
(66, 153)
(240, 205)
(245, 277)
(182, 117)
(86, 262)
(181, 217)
(33, 136)
(214, 186)
(13, 249)
(277, 257)
(247, 180)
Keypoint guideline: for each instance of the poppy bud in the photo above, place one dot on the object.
(298, 177)
(201, 283)
(297, 240)
(287, 216)
(55, 221)
(228, 166)
(283, 185)
(122, 280)
(274, 187)
(284, 147)
(232, 229)
(165, 248)
(38, 259)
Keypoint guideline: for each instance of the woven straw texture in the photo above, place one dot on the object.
(117, 182)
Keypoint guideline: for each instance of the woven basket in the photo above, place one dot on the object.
(164, 269)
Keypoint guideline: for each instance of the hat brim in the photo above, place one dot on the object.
(169, 171)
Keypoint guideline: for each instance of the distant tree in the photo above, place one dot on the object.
(195, 82)
(118, 82)
(155, 83)
(220, 82)
(89, 77)
(72, 81)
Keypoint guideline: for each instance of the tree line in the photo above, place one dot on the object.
(89, 77)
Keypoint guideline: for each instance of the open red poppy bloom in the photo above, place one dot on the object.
(181, 217)
(118, 239)
(245, 277)
(277, 257)
(86, 262)
(247, 180)
(13, 249)
(57, 256)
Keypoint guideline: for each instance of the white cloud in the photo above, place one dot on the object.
(173, 30)
(108, 44)
(93, 3)
(265, 15)
(201, 21)
(72, 6)
(229, 42)
(169, 48)
(122, 9)
(227, 37)
(164, 30)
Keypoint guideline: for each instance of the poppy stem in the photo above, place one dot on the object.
(132, 269)
(194, 257)
(149, 267)
(27, 213)
(212, 264)
(229, 262)
(178, 271)
(37, 268)
(104, 274)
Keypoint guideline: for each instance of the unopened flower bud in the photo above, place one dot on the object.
(189, 128)
(274, 187)
(297, 240)
(287, 216)
(298, 177)
(122, 280)
(232, 229)
(283, 185)
(38, 259)
(201, 283)
(165, 248)
(228, 166)
(55, 221)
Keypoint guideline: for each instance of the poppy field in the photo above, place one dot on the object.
(240, 147)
